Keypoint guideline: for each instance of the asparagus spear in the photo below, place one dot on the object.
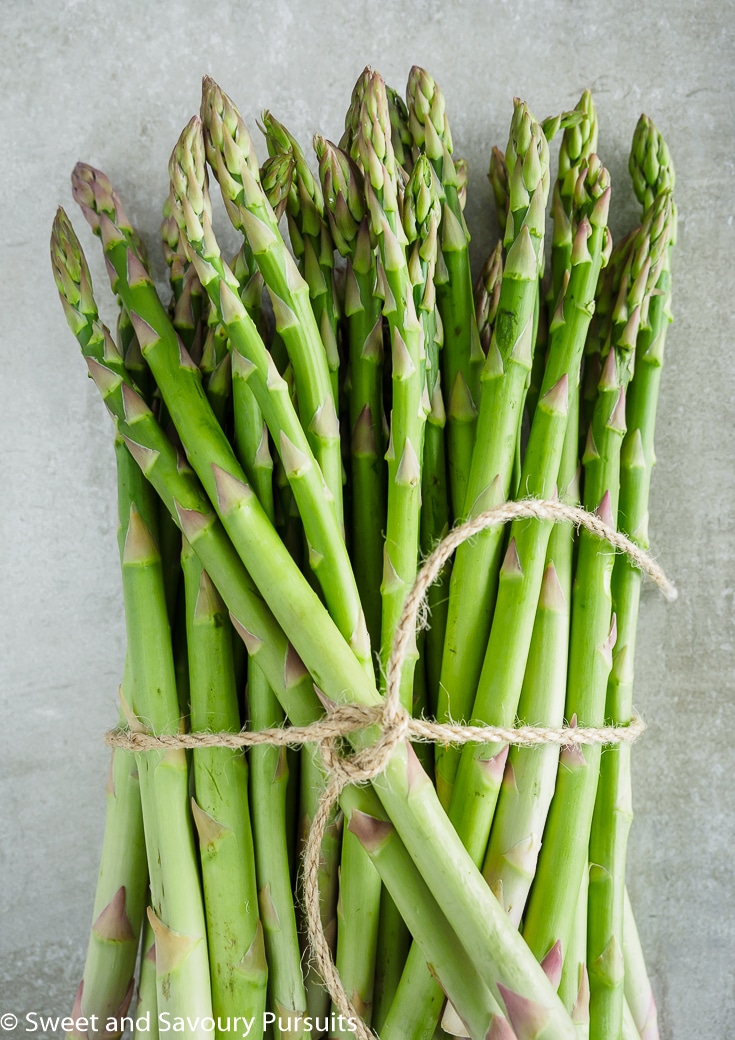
(474, 575)
(405, 445)
(269, 769)
(343, 190)
(613, 810)
(107, 983)
(462, 356)
(566, 836)
(146, 1009)
(310, 238)
(638, 993)
(498, 177)
(230, 154)
(220, 809)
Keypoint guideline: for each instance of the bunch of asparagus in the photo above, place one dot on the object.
(294, 429)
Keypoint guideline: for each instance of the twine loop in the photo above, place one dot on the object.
(396, 725)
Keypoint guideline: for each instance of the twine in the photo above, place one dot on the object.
(396, 723)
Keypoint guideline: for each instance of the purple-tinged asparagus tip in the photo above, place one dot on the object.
(581, 1009)
(172, 948)
(134, 407)
(251, 641)
(140, 546)
(616, 421)
(363, 434)
(494, 768)
(230, 490)
(511, 566)
(556, 400)
(527, 1017)
(552, 964)
(371, 832)
(113, 922)
(294, 668)
(552, 595)
(192, 522)
(604, 510)
(500, 1029)
(572, 756)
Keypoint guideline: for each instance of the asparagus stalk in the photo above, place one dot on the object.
(146, 1010)
(406, 293)
(613, 810)
(498, 177)
(230, 154)
(638, 993)
(220, 809)
(462, 356)
(405, 791)
(530, 773)
(107, 983)
(574, 986)
(269, 769)
(434, 526)
(474, 575)
(564, 853)
(311, 239)
(407, 349)
(344, 200)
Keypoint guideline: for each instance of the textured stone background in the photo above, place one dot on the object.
(113, 84)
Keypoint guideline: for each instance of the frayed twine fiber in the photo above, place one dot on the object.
(395, 722)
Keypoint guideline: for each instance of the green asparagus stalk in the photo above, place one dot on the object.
(409, 306)
(367, 819)
(434, 526)
(231, 155)
(530, 774)
(176, 914)
(613, 810)
(574, 986)
(462, 356)
(474, 575)
(269, 768)
(564, 852)
(500, 955)
(342, 184)
(146, 1010)
(107, 984)
(638, 993)
(220, 809)
(373, 146)
(311, 239)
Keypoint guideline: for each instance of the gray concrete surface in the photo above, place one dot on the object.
(113, 84)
